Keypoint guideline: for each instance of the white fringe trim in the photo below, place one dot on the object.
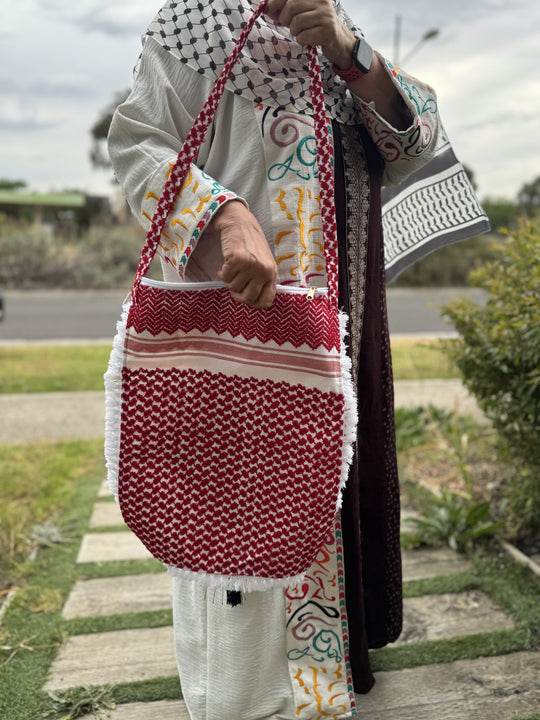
(238, 583)
(350, 416)
(113, 401)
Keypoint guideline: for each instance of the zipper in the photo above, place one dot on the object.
(310, 292)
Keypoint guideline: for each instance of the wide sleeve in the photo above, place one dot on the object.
(404, 151)
(145, 137)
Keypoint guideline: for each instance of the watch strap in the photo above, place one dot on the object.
(353, 73)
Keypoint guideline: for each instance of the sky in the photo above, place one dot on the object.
(62, 62)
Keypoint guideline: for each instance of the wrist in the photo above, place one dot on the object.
(230, 212)
(343, 60)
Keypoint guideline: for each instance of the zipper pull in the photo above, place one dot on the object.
(311, 292)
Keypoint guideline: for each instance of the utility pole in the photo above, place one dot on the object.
(429, 35)
(397, 39)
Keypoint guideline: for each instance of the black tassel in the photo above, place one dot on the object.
(234, 598)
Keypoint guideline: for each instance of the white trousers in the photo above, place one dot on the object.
(280, 655)
(232, 661)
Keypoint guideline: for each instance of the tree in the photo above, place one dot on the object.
(470, 174)
(99, 156)
(6, 184)
(529, 198)
(502, 213)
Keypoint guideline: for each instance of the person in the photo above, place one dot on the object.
(302, 652)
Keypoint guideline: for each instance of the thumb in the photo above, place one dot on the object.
(273, 8)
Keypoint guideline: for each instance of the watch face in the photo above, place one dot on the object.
(362, 55)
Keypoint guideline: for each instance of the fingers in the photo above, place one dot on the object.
(249, 269)
(250, 286)
(274, 7)
(287, 11)
(314, 22)
(256, 295)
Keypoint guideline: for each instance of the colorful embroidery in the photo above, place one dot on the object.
(412, 86)
(395, 145)
(318, 639)
(302, 161)
(306, 229)
(198, 199)
(291, 159)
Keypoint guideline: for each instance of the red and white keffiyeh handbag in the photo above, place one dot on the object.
(229, 429)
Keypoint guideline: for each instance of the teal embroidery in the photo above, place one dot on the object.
(422, 104)
(216, 188)
(325, 645)
(302, 162)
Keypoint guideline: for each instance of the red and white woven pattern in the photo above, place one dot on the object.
(232, 430)
(226, 491)
(291, 318)
(232, 437)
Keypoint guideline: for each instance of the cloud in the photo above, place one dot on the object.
(118, 19)
(26, 125)
(48, 88)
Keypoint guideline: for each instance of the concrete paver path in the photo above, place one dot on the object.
(498, 688)
(479, 689)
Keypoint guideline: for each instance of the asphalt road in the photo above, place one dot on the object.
(66, 315)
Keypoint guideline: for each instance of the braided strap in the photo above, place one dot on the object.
(325, 166)
(195, 139)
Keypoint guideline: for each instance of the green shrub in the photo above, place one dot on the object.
(453, 519)
(31, 256)
(498, 354)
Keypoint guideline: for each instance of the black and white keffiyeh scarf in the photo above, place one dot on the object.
(272, 68)
(434, 207)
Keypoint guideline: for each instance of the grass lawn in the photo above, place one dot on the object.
(52, 484)
(62, 368)
(58, 483)
(38, 484)
(53, 368)
(420, 360)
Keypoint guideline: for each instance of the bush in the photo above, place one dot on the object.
(33, 257)
(498, 352)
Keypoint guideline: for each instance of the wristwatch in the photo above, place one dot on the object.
(362, 56)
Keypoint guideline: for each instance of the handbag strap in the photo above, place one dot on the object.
(195, 138)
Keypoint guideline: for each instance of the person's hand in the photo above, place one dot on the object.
(315, 22)
(249, 269)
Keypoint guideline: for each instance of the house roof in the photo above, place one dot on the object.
(63, 200)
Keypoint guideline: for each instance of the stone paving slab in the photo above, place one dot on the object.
(434, 617)
(114, 657)
(428, 563)
(417, 564)
(162, 710)
(106, 514)
(110, 596)
(104, 490)
(450, 395)
(498, 688)
(110, 546)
